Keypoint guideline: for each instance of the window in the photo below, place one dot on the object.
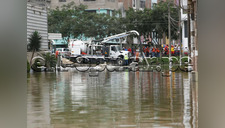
(134, 3)
(113, 48)
(91, 11)
(62, 0)
(185, 29)
(142, 4)
(108, 12)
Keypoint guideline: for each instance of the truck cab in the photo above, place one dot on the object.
(114, 52)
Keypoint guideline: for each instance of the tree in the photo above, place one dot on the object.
(35, 44)
(67, 20)
(49, 60)
(160, 18)
(76, 21)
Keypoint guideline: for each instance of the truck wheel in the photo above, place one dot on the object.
(79, 60)
(120, 61)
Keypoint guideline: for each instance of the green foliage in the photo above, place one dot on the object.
(74, 20)
(28, 67)
(49, 59)
(150, 20)
(35, 41)
(139, 20)
(184, 59)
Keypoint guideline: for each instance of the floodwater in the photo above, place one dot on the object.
(111, 100)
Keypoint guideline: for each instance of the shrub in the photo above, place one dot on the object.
(28, 67)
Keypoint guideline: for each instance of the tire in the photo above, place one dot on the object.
(79, 60)
(119, 61)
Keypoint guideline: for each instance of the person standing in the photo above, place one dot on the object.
(137, 55)
(129, 49)
(172, 50)
(178, 50)
(56, 53)
(153, 51)
(157, 52)
(175, 49)
(166, 50)
(147, 51)
(150, 49)
(132, 51)
(126, 59)
(186, 51)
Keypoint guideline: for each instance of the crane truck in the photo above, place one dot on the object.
(91, 51)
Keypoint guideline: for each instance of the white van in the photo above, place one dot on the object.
(65, 52)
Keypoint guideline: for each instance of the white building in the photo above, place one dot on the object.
(184, 24)
(37, 20)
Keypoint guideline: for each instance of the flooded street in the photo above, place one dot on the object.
(111, 100)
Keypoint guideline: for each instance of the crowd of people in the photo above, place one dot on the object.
(153, 51)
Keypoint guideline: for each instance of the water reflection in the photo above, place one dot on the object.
(113, 99)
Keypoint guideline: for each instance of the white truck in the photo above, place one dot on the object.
(91, 52)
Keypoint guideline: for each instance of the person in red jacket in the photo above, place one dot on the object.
(153, 52)
(56, 53)
(166, 50)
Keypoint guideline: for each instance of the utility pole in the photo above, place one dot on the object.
(180, 33)
(189, 33)
(193, 41)
(170, 63)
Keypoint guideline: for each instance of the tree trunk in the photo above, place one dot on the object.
(32, 57)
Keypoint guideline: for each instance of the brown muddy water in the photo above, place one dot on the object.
(111, 100)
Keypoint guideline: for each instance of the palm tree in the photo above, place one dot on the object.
(49, 60)
(35, 43)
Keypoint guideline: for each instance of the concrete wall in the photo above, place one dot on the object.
(37, 20)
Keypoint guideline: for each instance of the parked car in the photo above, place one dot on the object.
(65, 52)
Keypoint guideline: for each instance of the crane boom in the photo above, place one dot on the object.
(117, 36)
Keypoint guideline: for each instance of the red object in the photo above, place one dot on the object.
(144, 50)
(83, 53)
(157, 50)
(166, 48)
(129, 49)
(56, 54)
(153, 49)
(147, 49)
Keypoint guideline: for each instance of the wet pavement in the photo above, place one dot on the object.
(111, 100)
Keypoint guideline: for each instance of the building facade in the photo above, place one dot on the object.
(40, 3)
(92, 4)
(37, 21)
(184, 23)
